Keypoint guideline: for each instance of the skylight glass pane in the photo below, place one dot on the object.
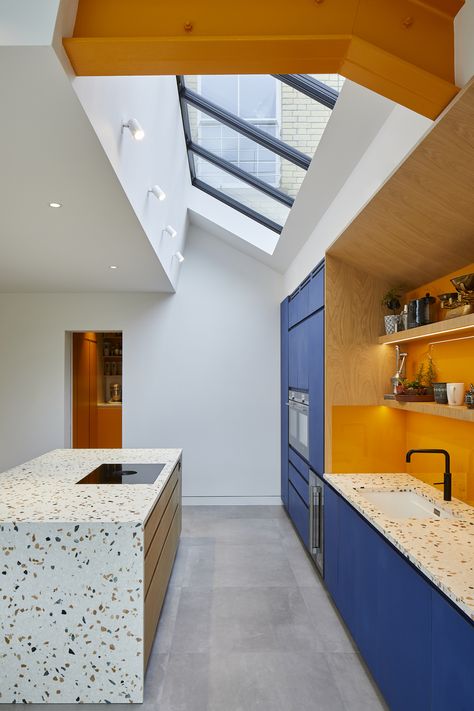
(270, 104)
(240, 191)
(303, 120)
(245, 153)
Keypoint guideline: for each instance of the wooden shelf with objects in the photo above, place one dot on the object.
(449, 327)
(417, 231)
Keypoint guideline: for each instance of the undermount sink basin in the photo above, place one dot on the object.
(404, 504)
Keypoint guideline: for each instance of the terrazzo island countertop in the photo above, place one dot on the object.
(71, 578)
(442, 549)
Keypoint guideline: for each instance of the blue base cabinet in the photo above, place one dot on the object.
(418, 647)
(452, 657)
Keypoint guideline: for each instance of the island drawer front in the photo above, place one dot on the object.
(156, 547)
(154, 518)
(159, 583)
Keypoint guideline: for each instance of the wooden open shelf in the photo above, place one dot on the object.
(453, 412)
(440, 328)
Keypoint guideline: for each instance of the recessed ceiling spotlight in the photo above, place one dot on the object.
(179, 257)
(113, 266)
(135, 129)
(170, 230)
(158, 192)
(55, 204)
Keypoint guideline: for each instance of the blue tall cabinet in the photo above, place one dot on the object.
(302, 368)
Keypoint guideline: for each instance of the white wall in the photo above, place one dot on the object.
(464, 43)
(27, 22)
(159, 158)
(201, 370)
(398, 135)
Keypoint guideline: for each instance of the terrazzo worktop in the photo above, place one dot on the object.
(71, 578)
(442, 549)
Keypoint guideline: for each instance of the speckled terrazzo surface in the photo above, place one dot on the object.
(44, 489)
(443, 549)
(71, 579)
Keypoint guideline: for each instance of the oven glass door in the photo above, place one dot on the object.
(298, 428)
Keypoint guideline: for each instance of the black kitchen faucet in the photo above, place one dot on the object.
(447, 468)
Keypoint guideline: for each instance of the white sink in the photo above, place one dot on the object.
(404, 504)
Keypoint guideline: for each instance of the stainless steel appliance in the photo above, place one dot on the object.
(316, 520)
(298, 421)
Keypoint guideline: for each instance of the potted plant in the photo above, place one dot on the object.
(391, 301)
(420, 389)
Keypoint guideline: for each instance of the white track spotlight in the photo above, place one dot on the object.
(170, 230)
(135, 129)
(158, 192)
(179, 257)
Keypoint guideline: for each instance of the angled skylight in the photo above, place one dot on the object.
(251, 137)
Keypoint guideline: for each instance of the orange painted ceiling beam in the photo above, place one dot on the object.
(402, 49)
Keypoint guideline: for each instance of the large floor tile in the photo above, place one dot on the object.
(244, 531)
(354, 683)
(227, 565)
(242, 619)
(330, 633)
(249, 681)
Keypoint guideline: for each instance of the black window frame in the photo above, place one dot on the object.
(309, 86)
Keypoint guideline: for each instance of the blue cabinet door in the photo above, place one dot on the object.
(303, 355)
(284, 355)
(315, 337)
(316, 290)
(331, 541)
(453, 656)
(293, 358)
(299, 514)
(403, 670)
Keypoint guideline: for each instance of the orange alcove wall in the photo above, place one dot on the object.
(375, 439)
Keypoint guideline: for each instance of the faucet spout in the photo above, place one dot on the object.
(447, 481)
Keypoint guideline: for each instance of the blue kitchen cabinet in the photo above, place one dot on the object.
(316, 289)
(293, 343)
(299, 514)
(303, 355)
(299, 483)
(298, 308)
(403, 668)
(384, 602)
(298, 354)
(284, 359)
(315, 338)
(452, 657)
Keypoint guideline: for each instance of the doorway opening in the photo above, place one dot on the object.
(97, 390)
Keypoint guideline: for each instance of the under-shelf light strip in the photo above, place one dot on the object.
(450, 340)
(436, 333)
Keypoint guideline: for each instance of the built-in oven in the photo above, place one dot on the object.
(316, 520)
(298, 421)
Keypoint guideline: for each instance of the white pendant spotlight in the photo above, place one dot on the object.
(170, 230)
(179, 257)
(135, 129)
(158, 192)
(55, 204)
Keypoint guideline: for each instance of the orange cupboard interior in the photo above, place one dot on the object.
(365, 436)
(97, 390)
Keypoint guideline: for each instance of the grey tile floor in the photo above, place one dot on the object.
(247, 624)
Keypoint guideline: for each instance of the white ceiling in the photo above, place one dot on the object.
(50, 152)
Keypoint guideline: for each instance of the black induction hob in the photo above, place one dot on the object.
(123, 473)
